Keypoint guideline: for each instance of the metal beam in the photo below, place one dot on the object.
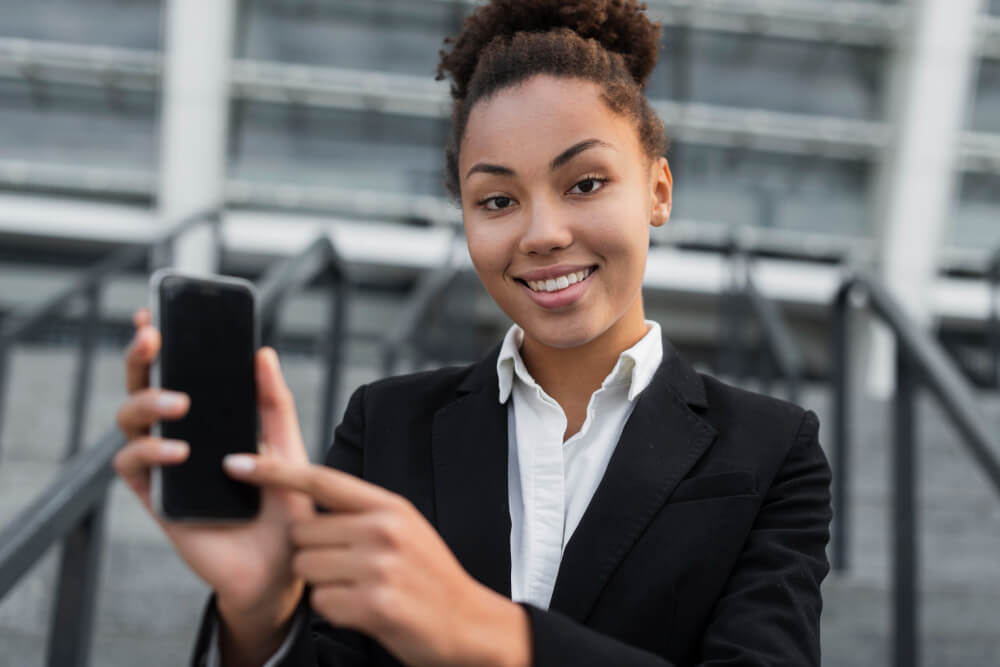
(79, 64)
(930, 88)
(855, 23)
(382, 92)
(193, 120)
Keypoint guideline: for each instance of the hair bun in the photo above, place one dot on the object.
(620, 26)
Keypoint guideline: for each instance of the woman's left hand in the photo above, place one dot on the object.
(377, 566)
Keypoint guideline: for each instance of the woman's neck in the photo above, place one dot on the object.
(571, 375)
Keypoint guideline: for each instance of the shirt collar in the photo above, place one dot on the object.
(636, 365)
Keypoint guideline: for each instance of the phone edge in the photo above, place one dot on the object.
(156, 480)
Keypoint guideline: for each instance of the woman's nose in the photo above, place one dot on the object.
(547, 230)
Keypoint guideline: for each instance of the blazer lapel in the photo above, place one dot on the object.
(662, 440)
(469, 442)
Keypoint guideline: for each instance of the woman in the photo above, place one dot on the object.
(579, 497)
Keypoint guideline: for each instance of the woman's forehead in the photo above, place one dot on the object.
(537, 119)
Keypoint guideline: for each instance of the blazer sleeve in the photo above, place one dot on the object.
(316, 642)
(769, 610)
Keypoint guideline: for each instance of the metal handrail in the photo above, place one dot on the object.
(318, 261)
(429, 290)
(993, 278)
(745, 298)
(24, 322)
(920, 361)
(78, 488)
(73, 506)
(783, 348)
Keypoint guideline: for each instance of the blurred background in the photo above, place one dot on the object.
(834, 238)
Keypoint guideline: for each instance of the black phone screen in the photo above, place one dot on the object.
(208, 332)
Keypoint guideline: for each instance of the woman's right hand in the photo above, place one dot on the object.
(247, 564)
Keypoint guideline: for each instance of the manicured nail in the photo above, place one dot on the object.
(169, 401)
(173, 448)
(239, 463)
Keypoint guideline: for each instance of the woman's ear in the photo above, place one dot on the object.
(661, 185)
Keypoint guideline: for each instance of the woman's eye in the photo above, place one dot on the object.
(496, 203)
(588, 185)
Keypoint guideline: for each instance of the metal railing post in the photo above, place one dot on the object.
(778, 356)
(904, 515)
(90, 321)
(333, 356)
(319, 261)
(737, 335)
(765, 364)
(841, 445)
(729, 360)
(792, 387)
(217, 237)
(994, 321)
(5, 345)
(71, 629)
(409, 330)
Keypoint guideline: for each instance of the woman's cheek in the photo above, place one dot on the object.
(488, 250)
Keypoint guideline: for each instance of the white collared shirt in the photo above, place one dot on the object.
(551, 482)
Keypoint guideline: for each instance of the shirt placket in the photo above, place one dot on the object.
(547, 497)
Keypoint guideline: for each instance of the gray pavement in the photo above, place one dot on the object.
(150, 603)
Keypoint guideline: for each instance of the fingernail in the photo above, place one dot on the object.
(169, 401)
(239, 463)
(173, 448)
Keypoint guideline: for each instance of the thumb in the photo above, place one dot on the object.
(278, 420)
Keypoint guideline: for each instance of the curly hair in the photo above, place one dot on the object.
(505, 42)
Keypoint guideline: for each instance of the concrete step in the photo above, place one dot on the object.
(148, 608)
(959, 626)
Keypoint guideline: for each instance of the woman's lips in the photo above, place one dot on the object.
(560, 298)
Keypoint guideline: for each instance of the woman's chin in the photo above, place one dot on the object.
(561, 336)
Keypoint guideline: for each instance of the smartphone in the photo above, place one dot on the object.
(209, 333)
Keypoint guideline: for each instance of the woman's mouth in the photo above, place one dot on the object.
(560, 282)
(559, 291)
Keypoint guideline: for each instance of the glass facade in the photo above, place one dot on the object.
(79, 88)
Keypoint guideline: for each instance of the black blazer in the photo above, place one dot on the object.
(704, 543)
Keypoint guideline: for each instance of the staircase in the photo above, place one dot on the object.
(149, 604)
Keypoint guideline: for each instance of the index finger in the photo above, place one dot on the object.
(333, 489)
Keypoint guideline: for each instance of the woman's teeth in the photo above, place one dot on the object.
(556, 284)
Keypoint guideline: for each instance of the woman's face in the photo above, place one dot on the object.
(558, 198)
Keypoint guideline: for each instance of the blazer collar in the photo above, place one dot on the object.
(662, 440)
(674, 371)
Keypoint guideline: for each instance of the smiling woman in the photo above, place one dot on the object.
(581, 496)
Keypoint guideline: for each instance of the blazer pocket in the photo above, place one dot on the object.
(719, 485)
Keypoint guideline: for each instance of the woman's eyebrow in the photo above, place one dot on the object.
(558, 161)
(496, 169)
(574, 150)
